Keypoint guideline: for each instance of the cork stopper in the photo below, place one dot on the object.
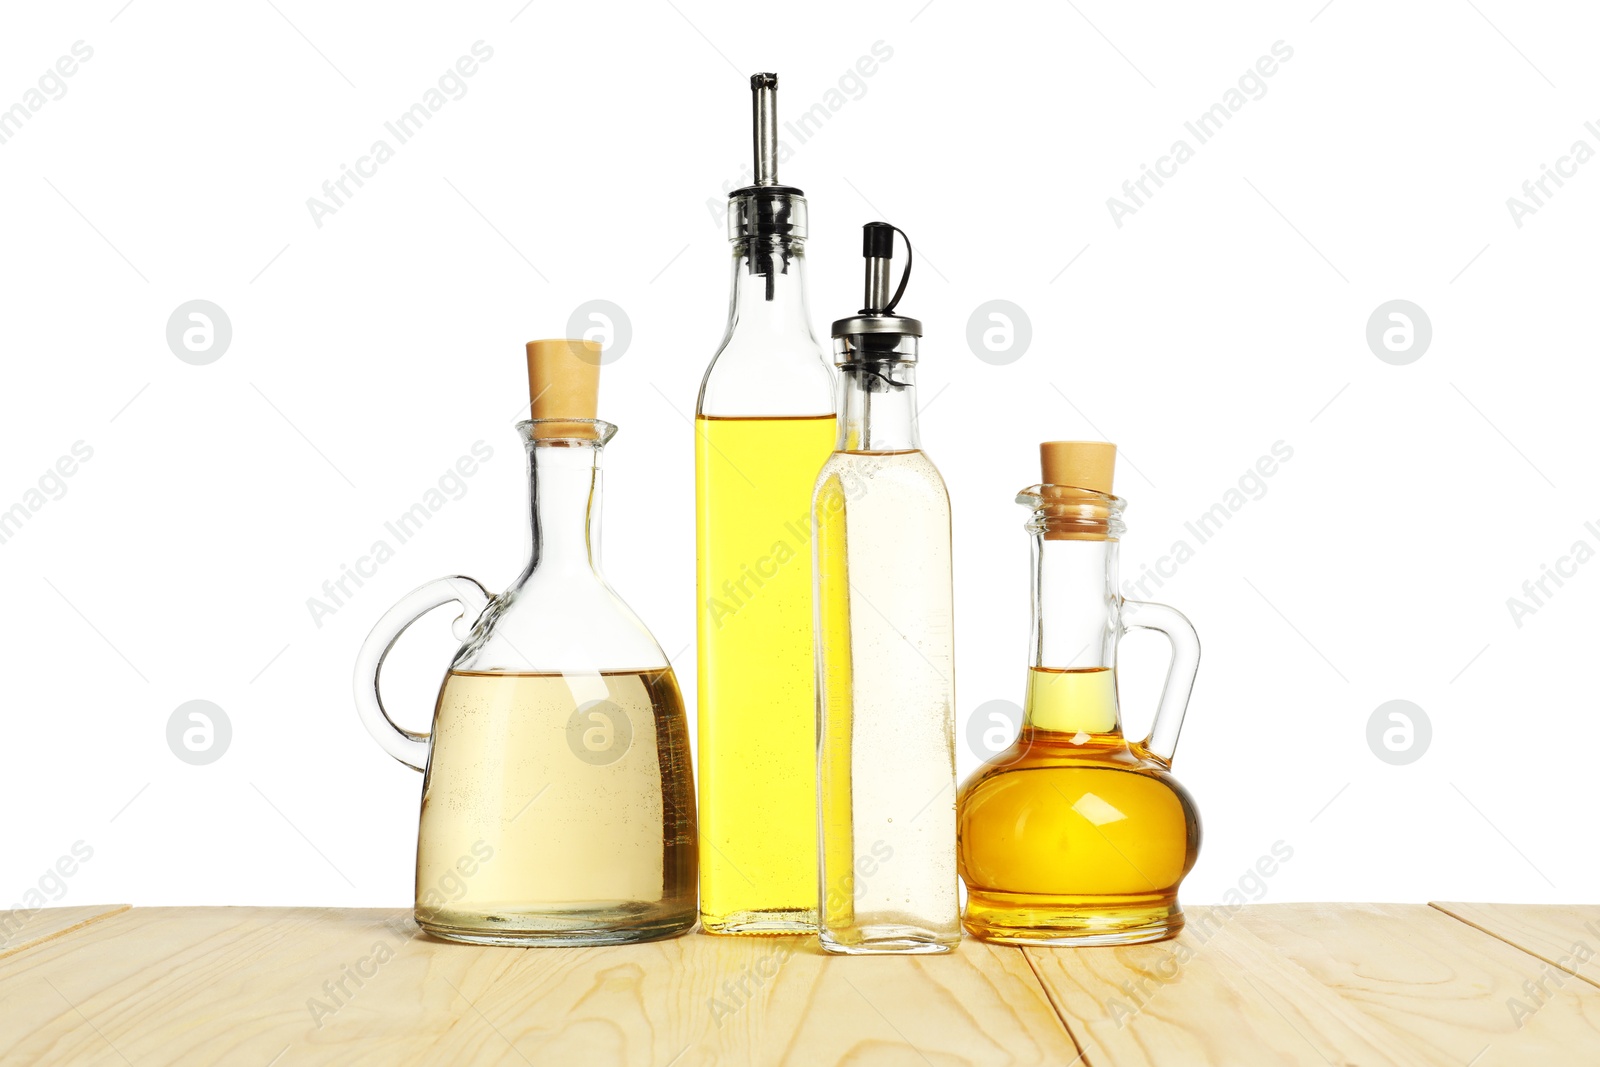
(1081, 464)
(563, 383)
(1075, 473)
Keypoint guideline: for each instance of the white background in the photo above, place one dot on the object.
(1227, 314)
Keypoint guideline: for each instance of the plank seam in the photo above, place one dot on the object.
(116, 909)
(1061, 1016)
(1520, 948)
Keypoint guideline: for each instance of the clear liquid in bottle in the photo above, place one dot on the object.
(885, 647)
(885, 754)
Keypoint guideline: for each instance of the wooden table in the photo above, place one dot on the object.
(1314, 984)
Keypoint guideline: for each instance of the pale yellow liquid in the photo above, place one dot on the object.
(757, 699)
(540, 825)
(1074, 834)
(888, 685)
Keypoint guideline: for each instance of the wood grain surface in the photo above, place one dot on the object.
(1214, 995)
(1566, 936)
(1451, 984)
(23, 929)
(1441, 994)
(285, 985)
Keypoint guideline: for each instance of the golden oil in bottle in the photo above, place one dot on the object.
(1074, 831)
(757, 694)
(1075, 835)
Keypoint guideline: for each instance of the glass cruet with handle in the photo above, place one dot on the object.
(558, 795)
(1076, 834)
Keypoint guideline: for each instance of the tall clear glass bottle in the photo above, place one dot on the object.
(885, 648)
(763, 426)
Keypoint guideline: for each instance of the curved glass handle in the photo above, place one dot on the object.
(407, 747)
(1141, 615)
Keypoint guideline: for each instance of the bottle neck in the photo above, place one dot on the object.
(1072, 677)
(769, 287)
(564, 495)
(878, 407)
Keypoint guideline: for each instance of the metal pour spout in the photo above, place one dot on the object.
(877, 247)
(876, 332)
(764, 104)
(770, 215)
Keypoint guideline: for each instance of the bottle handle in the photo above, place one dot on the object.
(407, 747)
(1180, 634)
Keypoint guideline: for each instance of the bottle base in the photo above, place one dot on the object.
(889, 940)
(1035, 919)
(536, 930)
(760, 923)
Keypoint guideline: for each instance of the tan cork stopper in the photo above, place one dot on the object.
(1081, 464)
(563, 383)
(1072, 472)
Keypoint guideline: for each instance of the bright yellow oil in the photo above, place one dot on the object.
(757, 691)
(837, 908)
(1074, 834)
